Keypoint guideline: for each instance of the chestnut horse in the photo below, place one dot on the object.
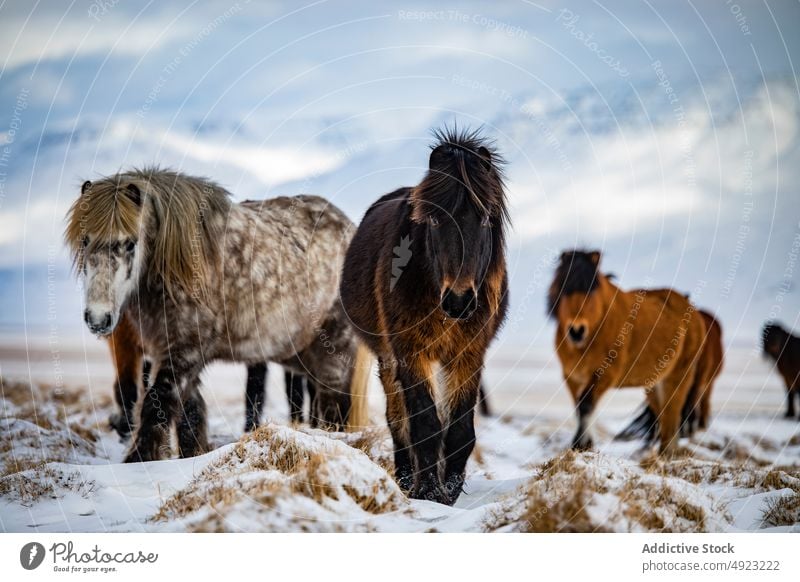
(783, 348)
(425, 286)
(609, 338)
(696, 411)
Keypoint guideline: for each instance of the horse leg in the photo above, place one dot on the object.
(126, 392)
(672, 395)
(793, 392)
(396, 418)
(585, 403)
(790, 402)
(797, 393)
(311, 388)
(192, 425)
(705, 409)
(159, 405)
(295, 395)
(147, 368)
(332, 407)
(691, 408)
(331, 373)
(483, 402)
(425, 430)
(127, 354)
(463, 386)
(255, 394)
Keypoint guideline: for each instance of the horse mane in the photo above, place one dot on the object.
(577, 272)
(462, 161)
(175, 215)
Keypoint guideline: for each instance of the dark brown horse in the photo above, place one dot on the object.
(784, 349)
(425, 286)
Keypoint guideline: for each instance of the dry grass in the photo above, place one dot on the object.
(375, 442)
(34, 432)
(270, 466)
(782, 511)
(737, 474)
(587, 492)
(648, 504)
(18, 393)
(29, 483)
(555, 500)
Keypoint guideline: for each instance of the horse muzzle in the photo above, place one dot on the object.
(459, 305)
(577, 334)
(100, 323)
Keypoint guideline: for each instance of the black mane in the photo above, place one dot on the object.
(577, 272)
(463, 162)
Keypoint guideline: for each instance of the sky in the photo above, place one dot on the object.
(663, 133)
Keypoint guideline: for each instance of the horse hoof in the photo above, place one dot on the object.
(120, 425)
(582, 444)
(454, 485)
(405, 482)
(133, 457)
(137, 455)
(431, 490)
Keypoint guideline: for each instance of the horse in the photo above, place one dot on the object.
(132, 371)
(297, 385)
(425, 287)
(696, 411)
(609, 338)
(133, 368)
(203, 279)
(783, 348)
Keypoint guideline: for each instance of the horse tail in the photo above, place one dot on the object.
(359, 386)
(645, 426)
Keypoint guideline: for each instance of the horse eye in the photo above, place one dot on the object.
(85, 242)
(130, 246)
(434, 221)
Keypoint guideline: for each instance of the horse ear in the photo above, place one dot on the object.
(132, 191)
(595, 256)
(485, 154)
(85, 187)
(438, 157)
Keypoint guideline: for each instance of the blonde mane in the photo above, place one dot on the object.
(176, 217)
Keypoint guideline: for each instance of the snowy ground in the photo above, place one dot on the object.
(61, 471)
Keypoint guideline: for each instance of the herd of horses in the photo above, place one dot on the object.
(176, 275)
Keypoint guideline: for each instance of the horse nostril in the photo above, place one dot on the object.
(107, 321)
(576, 332)
(86, 316)
(459, 306)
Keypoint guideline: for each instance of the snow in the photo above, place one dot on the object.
(62, 472)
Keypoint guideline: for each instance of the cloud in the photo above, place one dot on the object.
(272, 166)
(30, 38)
(640, 175)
